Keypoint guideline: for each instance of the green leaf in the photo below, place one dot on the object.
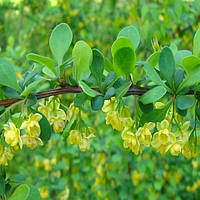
(18, 178)
(109, 93)
(2, 185)
(178, 77)
(97, 102)
(82, 54)
(45, 127)
(146, 108)
(184, 102)
(191, 79)
(124, 58)
(48, 72)
(97, 65)
(180, 55)
(156, 115)
(132, 33)
(60, 40)
(89, 91)
(167, 65)
(196, 44)
(28, 77)
(8, 75)
(153, 75)
(80, 99)
(48, 62)
(10, 92)
(30, 88)
(109, 79)
(190, 62)
(122, 90)
(25, 192)
(153, 59)
(108, 65)
(124, 61)
(153, 95)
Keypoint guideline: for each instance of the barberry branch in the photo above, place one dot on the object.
(133, 90)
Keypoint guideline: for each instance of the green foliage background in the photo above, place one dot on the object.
(107, 170)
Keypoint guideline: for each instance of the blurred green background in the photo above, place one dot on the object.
(107, 171)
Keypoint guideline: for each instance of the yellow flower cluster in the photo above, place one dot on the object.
(15, 139)
(31, 138)
(163, 140)
(118, 120)
(76, 136)
(135, 139)
(81, 139)
(55, 115)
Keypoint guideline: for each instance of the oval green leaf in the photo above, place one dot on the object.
(153, 95)
(8, 75)
(132, 33)
(82, 54)
(60, 40)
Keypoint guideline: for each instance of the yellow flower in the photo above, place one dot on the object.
(44, 193)
(159, 105)
(46, 111)
(75, 137)
(31, 141)
(12, 134)
(113, 118)
(47, 165)
(164, 138)
(5, 156)
(131, 141)
(59, 121)
(190, 150)
(31, 125)
(84, 144)
(125, 117)
(72, 109)
(3, 159)
(144, 133)
(109, 105)
(136, 177)
(175, 149)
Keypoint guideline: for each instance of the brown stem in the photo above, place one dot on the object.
(133, 90)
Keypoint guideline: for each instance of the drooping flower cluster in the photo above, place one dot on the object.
(28, 134)
(118, 120)
(81, 138)
(55, 115)
(161, 135)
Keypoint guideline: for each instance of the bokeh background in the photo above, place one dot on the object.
(107, 171)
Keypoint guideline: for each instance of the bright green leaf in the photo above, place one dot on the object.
(153, 75)
(191, 79)
(48, 62)
(8, 75)
(132, 33)
(60, 40)
(190, 62)
(153, 95)
(180, 55)
(89, 91)
(196, 44)
(30, 88)
(82, 54)
(122, 90)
